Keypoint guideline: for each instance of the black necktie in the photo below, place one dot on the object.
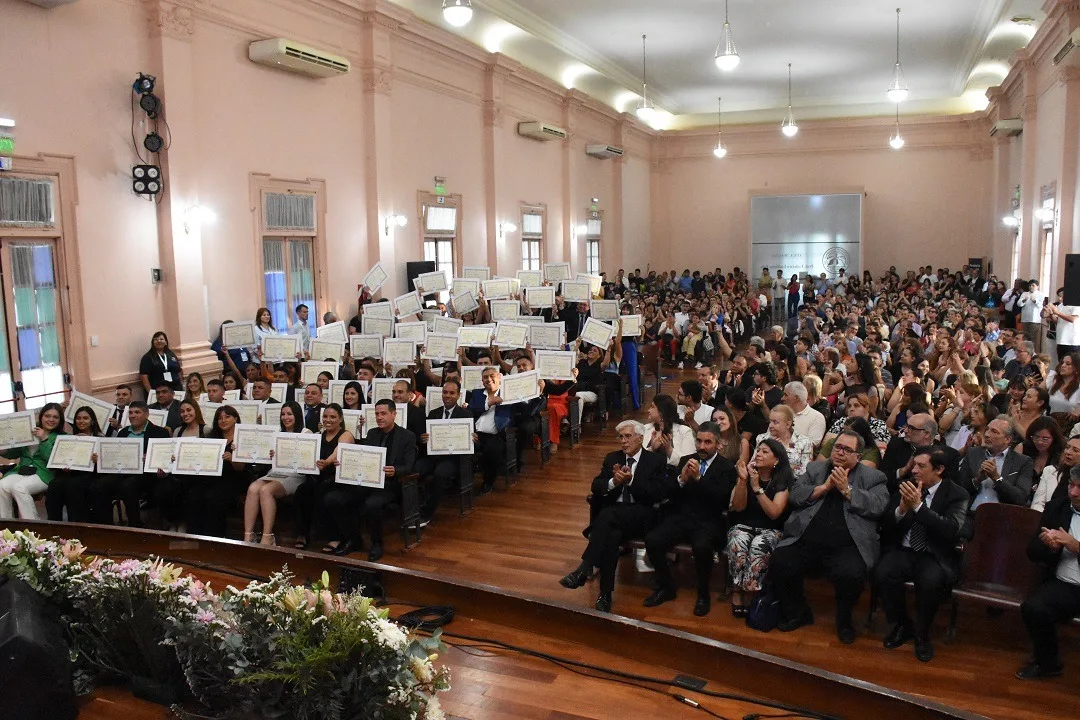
(626, 497)
(917, 536)
(386, 440)
(446, 413)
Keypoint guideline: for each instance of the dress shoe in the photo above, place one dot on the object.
(603, 603)
(485, 489)
(659, 597)
(574, 580)
(899, 636)
(846, 634)
(345, 548)
(376, 553)
(701, 607)
(924, 650)
(1034, 671)
(807, 618)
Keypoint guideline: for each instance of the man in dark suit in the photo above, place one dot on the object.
(313, 406)
(994, 472)
(442, 469)
(166, 400)
(921, 527)
(346, 505)
(921, 432)
(415, 420)
(492, 420)
(1057, 599)
(833, 524)
(123, 397)
(699, 494)
(131, 489)
(622, 508)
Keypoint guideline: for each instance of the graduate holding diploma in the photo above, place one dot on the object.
(263, 494)
(310, 495)
(30, 475)
(209, 497)
(73, 487)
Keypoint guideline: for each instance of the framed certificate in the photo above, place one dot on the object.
(208, 409)
(575, 291)
(309, 371)
(432, 282)
(238, 334)
(465, 302)
(228, 395)
(441, 347)
(631, 325)
(605, 310)
(504, 309)
(379, 310)
(120, 456)
(511, 335)
(270, 415)
(383, 327)
(548, 336)
(159, 417)
(361, 465)
(474, 336)
(336, 392)
(433, 398)
(472, 378)
(375, 278)
(494, 289)
(415, 331)
(160, 455)
(450, 437)
(408, 304)
(199, 456)
(555, 364)
(382, 389)
(278, 391)
(320, 349)
(73, 452)
(334, 332)
(279, 348)
(365, 346)
(400, 418)
(520, 387)
(597, 333)
(248, 410)
(596, 283)
(429, 316)
(351, 421)
(476, 273)
(102, 409)
(530, 319)
(447, 325)
(399, 353)
(557, 272)
(515, 284)
(540, 297)
(297, 452)
(253, 443)
(461, 285)
(530, 278)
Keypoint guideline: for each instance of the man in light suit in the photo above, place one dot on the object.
(622, 508)
(835, 508)
(994, 472)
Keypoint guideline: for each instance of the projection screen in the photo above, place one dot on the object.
(800, 234)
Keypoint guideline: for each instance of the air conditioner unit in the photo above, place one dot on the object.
(603, 152)
(295, 57)
(541, 131)
(1071, 42)
(1009, 128)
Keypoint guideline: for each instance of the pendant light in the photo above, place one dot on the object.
(645, 112)
(789, 128)
(898, 91)
(719, 151)
(457, 12)
(727, 57)
(897, 141)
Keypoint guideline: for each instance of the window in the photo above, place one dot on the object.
(1015, 257)
(441, 220)
(289, 278)
(441, 252)
(593, 230)
(1046, 260)
(532, 239)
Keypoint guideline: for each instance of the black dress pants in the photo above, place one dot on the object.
(844, 566)
(612, 527)
(932, 582)
(703, 536)
(443, 471)
(347, 505)
(129, 489)
(207, 502)
(74, 490)
(1052, 602)
(492, 449)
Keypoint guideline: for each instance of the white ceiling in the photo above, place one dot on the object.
(842, 52)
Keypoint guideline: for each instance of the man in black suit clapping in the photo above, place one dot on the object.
(442, 469)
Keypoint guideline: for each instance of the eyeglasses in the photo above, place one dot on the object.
(912, 427)
(844, 449)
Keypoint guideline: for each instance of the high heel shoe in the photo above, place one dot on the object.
(251, 537)
(272, 541)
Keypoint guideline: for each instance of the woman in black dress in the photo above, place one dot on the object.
(160, 365)
(74, 488)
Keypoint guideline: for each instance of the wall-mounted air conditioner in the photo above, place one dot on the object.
(1071, 42)
(604, 152)
(541, 131)
(1009, 128)
(298, 58)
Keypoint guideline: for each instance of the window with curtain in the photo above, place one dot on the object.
(441, 252)
(26, 203)
(593, 229)
(532, 240)
(288, 278)
(290, 211)
(37, 325)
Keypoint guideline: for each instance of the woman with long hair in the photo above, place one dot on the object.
(264, 325)
(263, 494)
(30, 474)
(171, 491)
(351, 396)
(73, 489)
(194, 385)
(858, 406)
(333, 434)
(666, 433)
(1043, 443)
(1034, 404)
(758, 510)
(209, 498)
(1063, 384)
(732, 446)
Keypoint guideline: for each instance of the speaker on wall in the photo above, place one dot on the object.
(414, 270)
(1072, 281)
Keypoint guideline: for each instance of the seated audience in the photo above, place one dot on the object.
(666, 434)
(264, 492)
(782, 428)
(71, 490)
(30, 476)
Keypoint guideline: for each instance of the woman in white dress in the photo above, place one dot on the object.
(264, 493)
(1063, 384)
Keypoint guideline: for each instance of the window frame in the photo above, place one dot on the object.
(539, 240)
(594, 239)
(425, 199)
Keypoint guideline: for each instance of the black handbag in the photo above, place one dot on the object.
(764, 613)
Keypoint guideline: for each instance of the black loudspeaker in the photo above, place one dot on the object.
(1072, 281)
(35, 671)
(414, 270)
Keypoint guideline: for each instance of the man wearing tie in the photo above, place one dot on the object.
(622, 508)
(921, 527)
(313, 406)
(123, 397)
(994, 472)
(442, 469)
(699, 493)
(492, 418)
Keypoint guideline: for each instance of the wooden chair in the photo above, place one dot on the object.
(574, 418)
(650, 364)
(465, 484)
(410, 510)
(545, 439)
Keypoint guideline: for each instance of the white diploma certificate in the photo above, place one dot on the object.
(433, 398)
(334, 332)
(238, 334)
(540, 297)
(102, 410)
(383, 327)
(432, 282)
(597, 333)
(279, 348)
(520, 387)
(278, 391)
(430, 315)
(400, 417)
(350, 420)
(504, 309)
(441, 347)
(494, 289)
(472, 378)
(208, 409)
(159, 455)
(416, 331)
(120, 456)
(228, 394)
(248, 410)
(319, 349)
(336, 392)
(557, 272)
(253, 443)
(399, 353)
(297, 452)
(365, 346)
(408, 304)
(595, 282)
(631, 325)
(463, 285)
(380, 309)
(574, 291)
(361, 465)
(555, 364)
(474, 336)
(511, 335)
(605, 310)
(476, 273)
(548, 336)
(199, 456)
(382, 389)
(450, 437)
(309, 371)
(73, 452)
(447, 325)
(17, 429)
(270, 415)
(530, 278)
(465, 302)
(375, 278)
(159, 417)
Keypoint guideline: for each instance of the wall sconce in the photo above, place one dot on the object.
(393, 221)
(197, 216)
(505, 229)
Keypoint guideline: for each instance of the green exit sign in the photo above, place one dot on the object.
(7, 145)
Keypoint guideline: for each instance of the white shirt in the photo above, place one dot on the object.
(633, 470)
(1068, 569)
(1068, 333)
(703, 413)
(1048, 483)
(811, 423)
(304, 331)
(486, 422)
(929, 499)
(1059, 402)
(1030, 304)
(682, 442)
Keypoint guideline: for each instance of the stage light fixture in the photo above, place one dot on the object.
(151, 105)
(153, 142)
(144, 84)
(146, 179)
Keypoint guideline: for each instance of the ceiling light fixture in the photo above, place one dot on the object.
(789, 128)
(645, 111)
(898, 91)
(457, 12)
(719, 151)
(727, 57)
(897, 141)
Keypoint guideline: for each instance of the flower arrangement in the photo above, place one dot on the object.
(271, 649)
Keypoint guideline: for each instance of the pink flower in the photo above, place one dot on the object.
(72, 550)
(197, 591)
(205, 617)
(327, 601)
